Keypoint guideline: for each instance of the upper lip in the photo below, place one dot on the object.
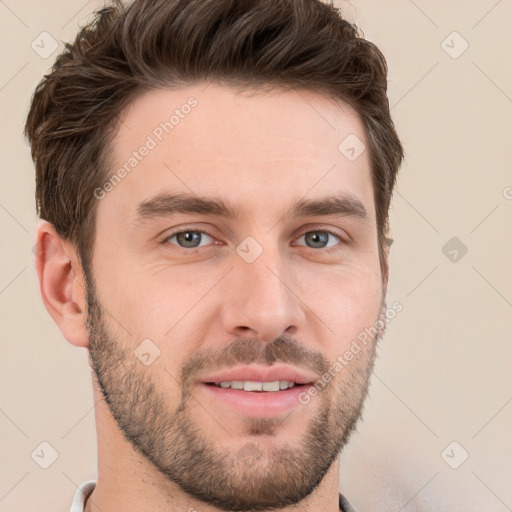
(261, 374)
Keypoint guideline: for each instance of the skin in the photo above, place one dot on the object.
(163, 443)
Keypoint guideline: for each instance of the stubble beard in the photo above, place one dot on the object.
(266, 472)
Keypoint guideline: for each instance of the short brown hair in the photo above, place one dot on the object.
(125, 50)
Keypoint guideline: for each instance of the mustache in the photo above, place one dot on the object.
(250, 350)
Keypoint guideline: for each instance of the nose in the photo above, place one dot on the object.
(262, 301)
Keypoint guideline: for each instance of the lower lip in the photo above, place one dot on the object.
(261, 404)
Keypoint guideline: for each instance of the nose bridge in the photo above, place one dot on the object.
(262, 299)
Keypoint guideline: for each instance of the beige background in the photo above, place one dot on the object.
(443, 372)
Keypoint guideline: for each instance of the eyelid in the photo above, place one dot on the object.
(164, 238)
(317, 230)
(341, 234)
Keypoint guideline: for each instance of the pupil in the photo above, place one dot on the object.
(318, 237)
(189, 237)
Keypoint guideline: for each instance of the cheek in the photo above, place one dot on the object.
(346, 302)
(134, 303)
(353, 292)
(158, 303)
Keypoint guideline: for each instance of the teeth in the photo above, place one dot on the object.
(270, 386)
(253, 386)
(248, 385)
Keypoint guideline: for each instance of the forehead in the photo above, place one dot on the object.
(252, 146)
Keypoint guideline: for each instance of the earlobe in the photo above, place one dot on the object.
(61, 283)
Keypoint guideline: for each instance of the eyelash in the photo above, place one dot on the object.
(335, 248)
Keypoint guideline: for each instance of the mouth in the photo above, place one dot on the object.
(253, 399)
(255, 386)
(256, 392)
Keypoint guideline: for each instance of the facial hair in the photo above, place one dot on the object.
(251, 478)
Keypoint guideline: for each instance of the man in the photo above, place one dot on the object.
(214, 179)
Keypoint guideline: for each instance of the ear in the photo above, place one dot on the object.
(61, 283)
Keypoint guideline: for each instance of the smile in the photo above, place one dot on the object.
(248, 385)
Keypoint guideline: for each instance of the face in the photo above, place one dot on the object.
(263, 277)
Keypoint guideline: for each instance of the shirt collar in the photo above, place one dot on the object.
(345, 506)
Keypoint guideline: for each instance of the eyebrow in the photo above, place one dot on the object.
(167, 204)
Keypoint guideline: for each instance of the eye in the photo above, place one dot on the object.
(196, 238)
(320, 238)
(188, 238)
